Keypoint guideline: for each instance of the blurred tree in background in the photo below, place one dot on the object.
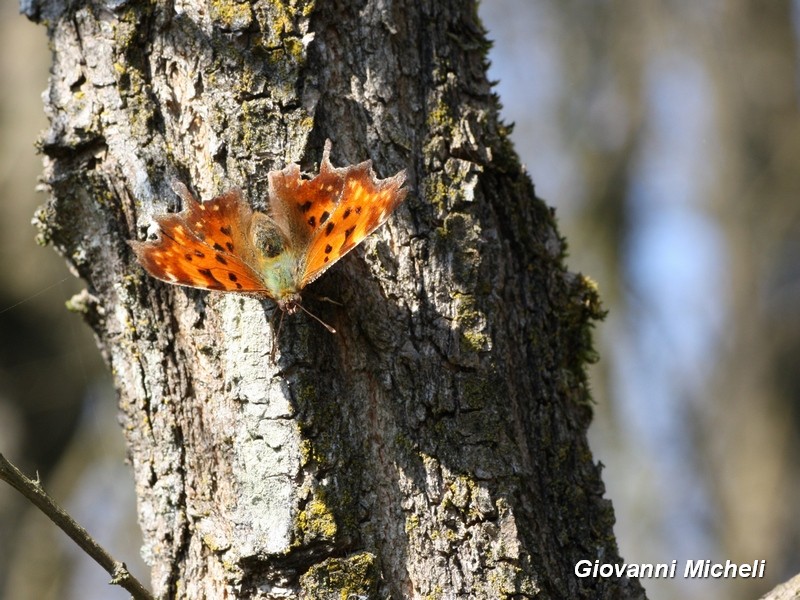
(666, 134)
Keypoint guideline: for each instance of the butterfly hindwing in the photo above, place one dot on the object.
(301, 205)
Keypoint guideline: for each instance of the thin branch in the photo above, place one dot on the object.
(33, 491)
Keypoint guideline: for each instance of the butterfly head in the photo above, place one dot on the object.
(290, 304)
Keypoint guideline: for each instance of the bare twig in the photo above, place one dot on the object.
(33, 491)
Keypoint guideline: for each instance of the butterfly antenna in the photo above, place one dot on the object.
(317, 319)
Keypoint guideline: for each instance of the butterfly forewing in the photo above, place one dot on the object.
(364, 205)
(204, 246)
(328, 215)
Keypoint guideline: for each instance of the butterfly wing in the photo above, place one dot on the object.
(298, 205)
(364, 205)
(204, 246)
(330, 214)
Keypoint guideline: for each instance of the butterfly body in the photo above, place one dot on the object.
(222, 244)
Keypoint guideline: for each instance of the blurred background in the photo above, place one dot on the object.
(667, 136)
(57, 404)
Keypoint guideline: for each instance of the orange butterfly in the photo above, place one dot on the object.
(222, 244)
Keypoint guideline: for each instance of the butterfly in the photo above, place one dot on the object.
(222, 244)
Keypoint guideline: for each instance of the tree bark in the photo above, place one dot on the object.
(788, 590)
(435, 447)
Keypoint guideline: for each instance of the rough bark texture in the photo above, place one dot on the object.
(435, 447)
(789, 590)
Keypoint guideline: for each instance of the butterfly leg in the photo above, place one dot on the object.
(326, 299)
(277, 335)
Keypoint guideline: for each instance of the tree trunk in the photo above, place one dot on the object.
(435, 447)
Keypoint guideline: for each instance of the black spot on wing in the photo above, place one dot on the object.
(211, 282)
